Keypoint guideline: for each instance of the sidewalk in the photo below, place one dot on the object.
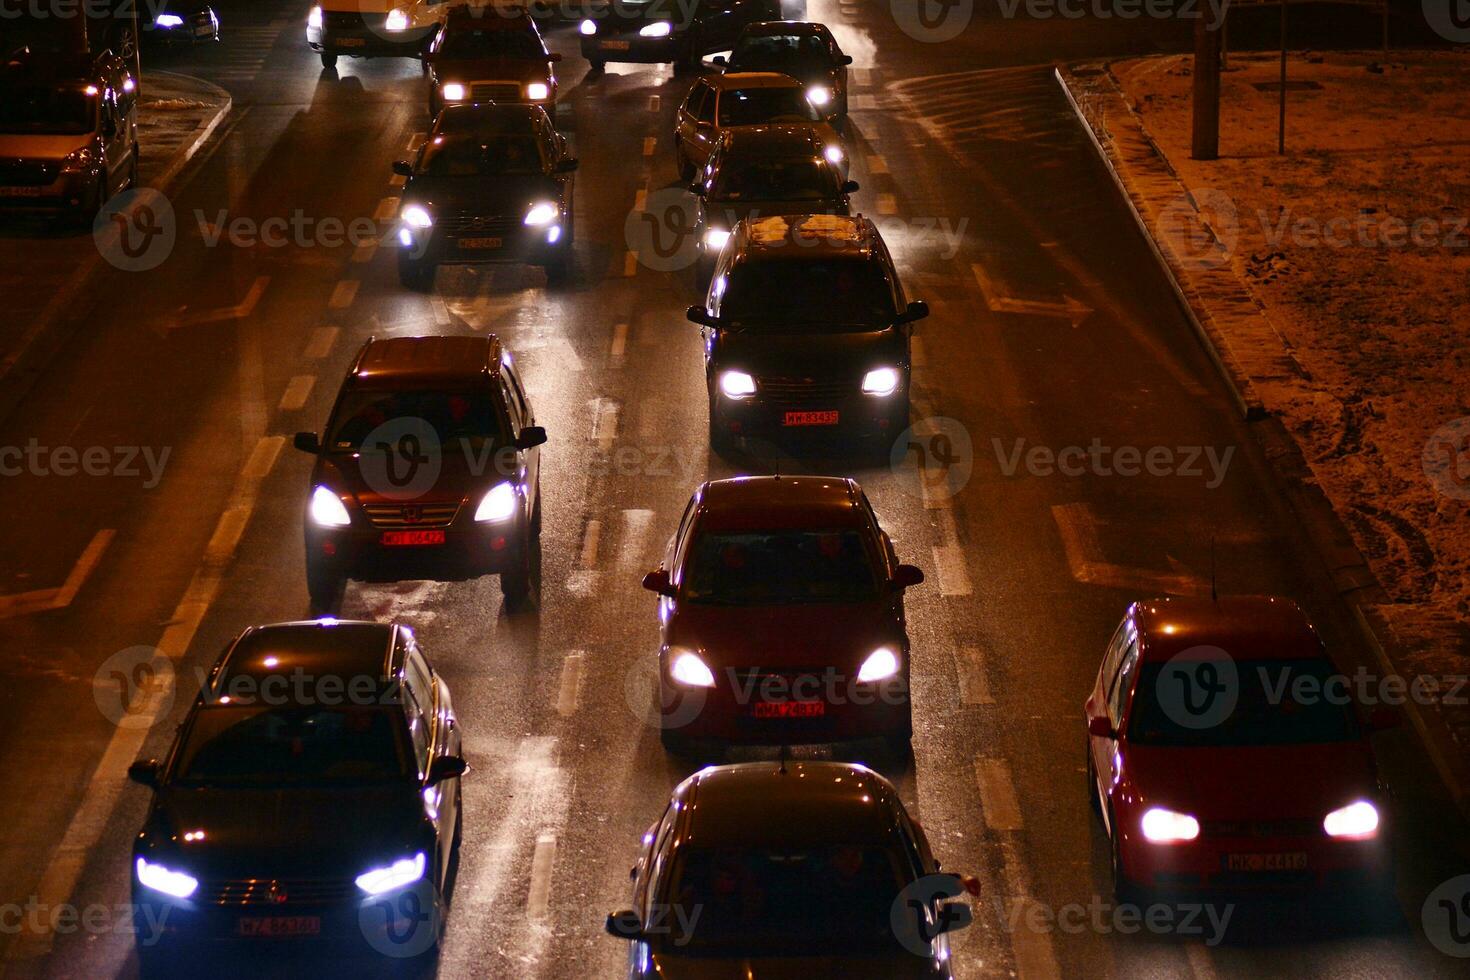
(1332, 286)
(44, 272)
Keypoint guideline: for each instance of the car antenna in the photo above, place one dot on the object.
(785, 754)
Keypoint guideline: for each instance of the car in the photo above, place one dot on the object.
(1212, 771)
(789, 869)
(179, 21)
(722, 103)
(483, 56)
(780, 608)
(429, 468)
(68, 134)
(373, 28)
(764, 170)
(806, 51)
(807, 329)
(661, 31)
(312, 788)
(491, 184)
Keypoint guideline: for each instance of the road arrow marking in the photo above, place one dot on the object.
(1078, 529)
(1074, 311)
(40, 600)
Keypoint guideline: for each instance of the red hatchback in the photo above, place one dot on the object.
(781, 606)
(1223, 753)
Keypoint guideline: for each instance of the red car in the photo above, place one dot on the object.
(1222, 754)
(781, 605)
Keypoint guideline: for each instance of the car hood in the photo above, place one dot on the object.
(836, 635)
(727, 214)
(824, 130)
(37, 146)
(462, 472)
(817, 355)
(809, 71)
(487, 195)
(1252, 783)
(292, 833)
(490, 69)
(892, 966)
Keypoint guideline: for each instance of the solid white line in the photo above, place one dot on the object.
(997, 794)
(590, 539)
(949, 563)
(320, 345)
(649, 142)
(571, 684)
(543, 861)
(887, 204)
(630, 265)
(344, 294)
(640, 199)
(294, 398)
(619, 342)
(387, 208)
(38, 600)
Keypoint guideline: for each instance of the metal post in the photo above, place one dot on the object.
(1205, 142)
(1281, 127)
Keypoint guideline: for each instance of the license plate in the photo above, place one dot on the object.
(351, 42)
(22, 191)
(616, 45)
(204, 30)
(810, 418)
(278, 926)
(481, 242)
(789, 709)
(411, 539)
(1286, 861)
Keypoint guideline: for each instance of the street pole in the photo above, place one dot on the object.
(1281, 126)
(1205, 143)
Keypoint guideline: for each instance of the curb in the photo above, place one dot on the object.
(19, 369)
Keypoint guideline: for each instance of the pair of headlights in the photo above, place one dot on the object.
(660, 28)
(1356, 821)
(375, 881)
(538, 216)
(328, 510)
(456, 91)
(688, 668)
(397, 19)
(882, 382)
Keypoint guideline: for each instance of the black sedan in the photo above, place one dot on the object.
(492, 183)
(179, 22)
(311, 795)
(807, 52)
(659, 31)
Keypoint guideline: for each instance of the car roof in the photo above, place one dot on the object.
(314, 649)
(395, 361)
(784, 28)
(780, 139)
(758, 503)
(489, 119)
(507, 16)
(1246, 627)
(819, 236)
(795, 803)
(753, 79)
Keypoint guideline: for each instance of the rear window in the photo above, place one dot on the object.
(820, 295)
(779, 567)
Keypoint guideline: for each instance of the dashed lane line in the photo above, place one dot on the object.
(297, 392)
(569, 692)
(320, 344)
(998, 802)
(344, 293)
(970, 665)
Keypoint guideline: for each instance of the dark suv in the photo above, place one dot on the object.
(480, 57)
(428, 469)
(655, 31)
(806, 329)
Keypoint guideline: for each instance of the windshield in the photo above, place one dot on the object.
(755, 902)
(46, 111)
(754, 106)
(482, 43)
(779, 53)
(774, 180)
(477, 156)
(261, 746)
(467, 417)
(778, 567)
(1267, 712)
(818, 296)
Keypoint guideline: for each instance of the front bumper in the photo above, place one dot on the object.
(365, 36)
(498, 241)
(631, 47)
(59, 191)
(1275, 864)
(469, 550)
(815, 706)
(768, 416)
(203, 26)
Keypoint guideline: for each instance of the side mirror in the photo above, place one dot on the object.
(145, 772)
(567, 165)
(658, 581)
(307, 442)
(1101, 727)
(403, 168)
(908, 576)
(845, 60)
(531, 437)
(447, 767)
(720, 60)
(554, 57)
(917, 310)
(698, 314)
(851, 187)
(953, 916)
(625, 925)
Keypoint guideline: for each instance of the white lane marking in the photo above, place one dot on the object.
(441, 311)
(918, 353)
(862, 103)
(543, 863)
(998, 801)
(640, 199)
(414, 141)
(605, 423)
(397, 180)
(1200, 962)
(653, 103)
(1032, 948)
(320, 344)
(590, 540)
(996, 299)
(649, 142)
(630, 265)
(1077, 527)
(387, 208)
(949, 563)
(239, 311)
(876, 164)
(887, 204)
(64, 867)
(974, 687)
(297, 392)
(344, 293)
(364, 253)
(38, 600)
(570, 691)
(636, 532)
(619, 343)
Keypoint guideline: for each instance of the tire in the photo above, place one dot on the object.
(596, 66)
(899, 748)
(416, 274)
(559, 268)
(86, 215)
(329, 60)
(133, 171)
(1092, 796)
(522, 586)
(721, 442)
(683, 748)
(324, 590)
(159, 963)
(1125, 892)
(685, 167)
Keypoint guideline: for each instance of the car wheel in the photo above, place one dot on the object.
(521, 585)
(721, 442)
(324, 589)
(329, 60)
(684, 748)
(596, 66)
(685, 167)
(133, 171)
(688, 59)
(1124, 891)
(1092, 782)
(159, 962)
(559, 268)
(416, 274)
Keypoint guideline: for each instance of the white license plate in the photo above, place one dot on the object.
(351, 42)
(278, 926)
(616, 45)
(481, 242)
(1285, 861)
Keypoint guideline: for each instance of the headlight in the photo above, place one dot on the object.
(161, 879)
(452, 91)
(881, 664)
(174, 20)
(688, 669)
(416, 217)
(881, 381)
(819, 95)
(1356, 821)
(395, 875)
(537, 91)
(661, 29)
(78, 159)
(314, 19)
(397, 21)
(588, 27)
(328, 510)
(737, 384)
(541, 214)
(716, 238)
(834, 154)
(497, 505)
(1166, 827)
